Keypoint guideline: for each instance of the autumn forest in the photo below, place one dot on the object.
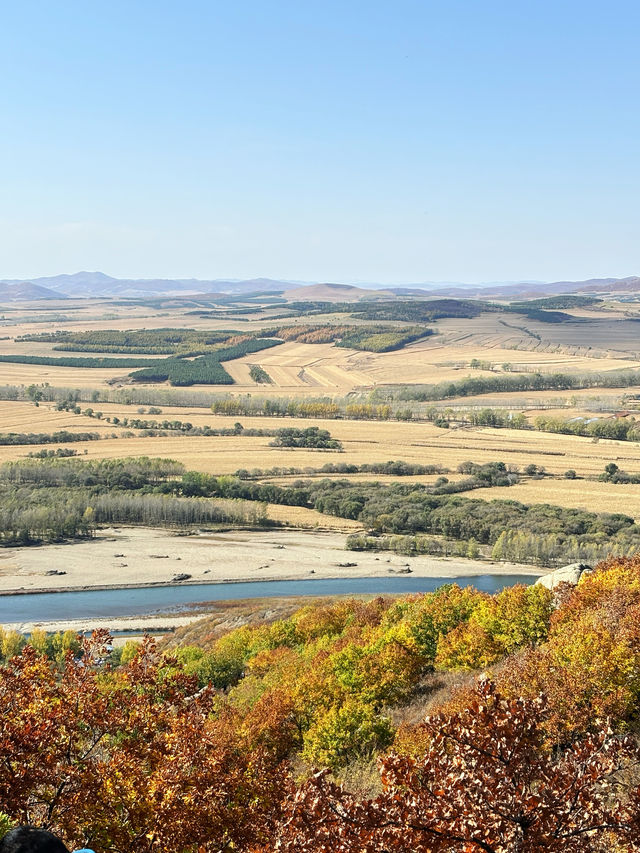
(350, 725)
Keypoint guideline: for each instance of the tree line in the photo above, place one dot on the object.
(377, 406)
(74, 361)
(472, 386)
(396, 468)
(147, 341)
(58, 437)
(32, 515)
(620, 429)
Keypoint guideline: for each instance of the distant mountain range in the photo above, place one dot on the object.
(532, 290)
(97, 284)
(100, 285)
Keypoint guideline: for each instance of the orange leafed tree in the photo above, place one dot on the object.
(486, 784)
(132, 761)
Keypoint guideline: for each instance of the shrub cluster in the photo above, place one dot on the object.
(312, 438)
(259, 374)
(118, 747)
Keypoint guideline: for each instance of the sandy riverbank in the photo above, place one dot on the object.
(135, 556)
(154, 625)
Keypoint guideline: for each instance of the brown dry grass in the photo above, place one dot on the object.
(299, 516)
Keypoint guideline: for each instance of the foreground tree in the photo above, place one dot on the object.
(487, 783)
(136, 760)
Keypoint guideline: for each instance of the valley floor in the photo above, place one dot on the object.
(137, 556)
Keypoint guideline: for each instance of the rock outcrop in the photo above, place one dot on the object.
(566, 574)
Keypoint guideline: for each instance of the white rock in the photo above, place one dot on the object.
(566, 574)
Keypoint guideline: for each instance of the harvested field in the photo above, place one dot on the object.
(324, 366)
(97, 315)
(435, 360)
(25, 417)
(317, 366)
(606, 341)
(577, 494)
(381, 442)
(301, 517)
(60, 377)
(599, 337)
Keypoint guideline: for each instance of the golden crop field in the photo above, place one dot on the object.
(327, 368)
(299, 516)
(577, 494)
(302, 370)
(363, 442)
(60, 377)
(25, 417)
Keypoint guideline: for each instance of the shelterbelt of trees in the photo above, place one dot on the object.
(52, 500)
(177, 369)
(59, 437)
(264, 738)
(471, 386)
(149, 341)
(616, 428)
(399, 402)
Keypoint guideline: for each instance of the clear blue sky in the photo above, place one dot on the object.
(400, 141)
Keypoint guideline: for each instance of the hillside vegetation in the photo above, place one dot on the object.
(262, 738)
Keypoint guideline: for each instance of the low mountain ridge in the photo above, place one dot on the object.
(27, 291)
(333, 293)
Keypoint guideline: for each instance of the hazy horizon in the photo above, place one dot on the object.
(280, 279)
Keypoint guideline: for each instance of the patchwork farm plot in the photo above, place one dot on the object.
(118, 379)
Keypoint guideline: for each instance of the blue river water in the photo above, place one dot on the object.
(40, 607)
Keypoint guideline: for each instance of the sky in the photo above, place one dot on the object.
(351, 141)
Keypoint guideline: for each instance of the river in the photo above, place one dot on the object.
(48, 606)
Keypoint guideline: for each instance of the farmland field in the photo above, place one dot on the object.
(363, 442)
(489, 345)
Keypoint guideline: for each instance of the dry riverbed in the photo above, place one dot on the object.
(135, 556)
